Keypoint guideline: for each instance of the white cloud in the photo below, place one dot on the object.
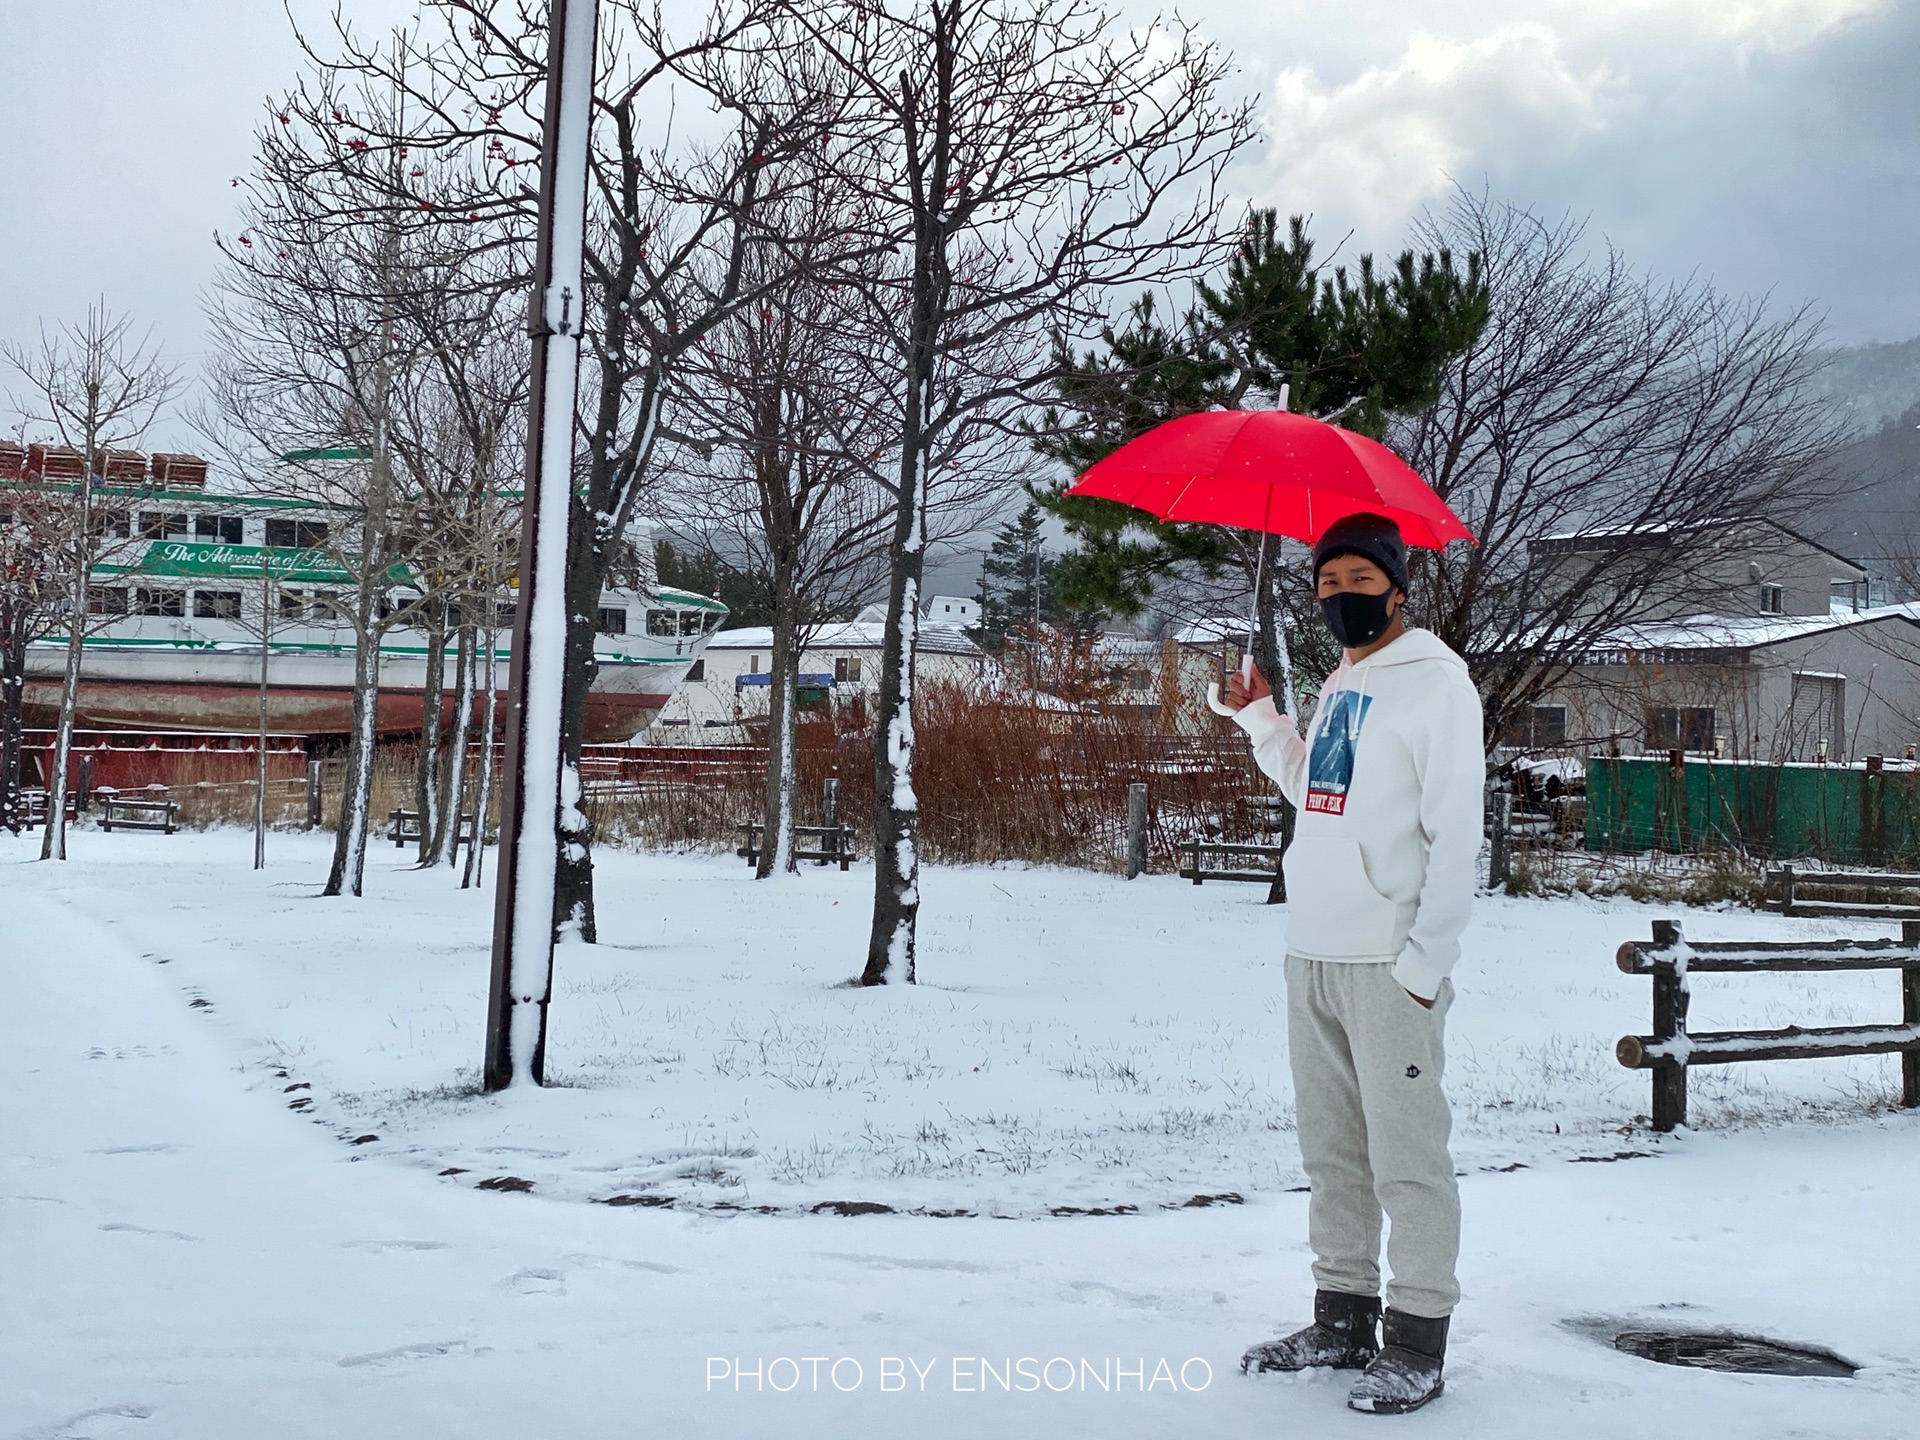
(1512, 88)
(1374, 149)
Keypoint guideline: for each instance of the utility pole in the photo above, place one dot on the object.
(523, 919)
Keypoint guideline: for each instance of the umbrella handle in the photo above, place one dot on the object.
(1213, 698)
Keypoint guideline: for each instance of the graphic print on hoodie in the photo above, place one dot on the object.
(1330, 767)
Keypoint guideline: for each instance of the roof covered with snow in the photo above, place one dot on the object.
(935, 638)
(1746, 632)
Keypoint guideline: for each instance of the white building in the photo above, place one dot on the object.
(726, 691)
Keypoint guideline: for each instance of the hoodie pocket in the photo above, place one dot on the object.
(1333, 910)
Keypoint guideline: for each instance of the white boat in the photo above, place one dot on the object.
(175, 637)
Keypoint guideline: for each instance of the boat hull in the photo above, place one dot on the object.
(147, 691)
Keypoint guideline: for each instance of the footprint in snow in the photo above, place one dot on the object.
(380, 1246)
(536, 1282)
(143, 1230)
(421, 1350)
(602, 1261)
(94, 1424)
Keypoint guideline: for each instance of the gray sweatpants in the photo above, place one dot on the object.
(1373, 1125)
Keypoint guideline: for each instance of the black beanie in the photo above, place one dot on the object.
(1372, 537)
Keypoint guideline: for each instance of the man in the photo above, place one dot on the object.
(1389, 783)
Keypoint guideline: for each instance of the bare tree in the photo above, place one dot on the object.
(1023, 158)
(779, 483)
(674, 213)
(99, 387)
(33, 534)
(1641, 420)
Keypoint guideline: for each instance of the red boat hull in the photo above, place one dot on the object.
(107, 704)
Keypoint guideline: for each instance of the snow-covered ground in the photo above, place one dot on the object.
(195, 1245)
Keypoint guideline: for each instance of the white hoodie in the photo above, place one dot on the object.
(1390, 784)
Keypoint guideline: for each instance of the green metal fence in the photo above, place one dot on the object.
(1866, 812)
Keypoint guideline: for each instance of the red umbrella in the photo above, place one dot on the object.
(1270, 471)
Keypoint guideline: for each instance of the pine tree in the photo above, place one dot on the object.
(1351, 348)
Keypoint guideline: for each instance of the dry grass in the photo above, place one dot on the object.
(996, 782)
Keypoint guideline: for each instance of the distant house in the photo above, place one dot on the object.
(1772, 654)
(725, 695)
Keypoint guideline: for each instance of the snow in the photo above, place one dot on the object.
(182, 1246)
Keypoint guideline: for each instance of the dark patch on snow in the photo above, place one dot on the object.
(1198, 1202)
(506, 1182)
(658, 1202)
(364, 1139)
(1736, 1353)
(303, 1103)
(1094, 1210)
(303, 1085)
(453, 1170)
(755, 1209)
(853, 1207)
(199, 1003)
(1609, 1159)
(943, 1214)
(1505, 1169)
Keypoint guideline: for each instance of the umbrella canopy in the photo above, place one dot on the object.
(1271, 471)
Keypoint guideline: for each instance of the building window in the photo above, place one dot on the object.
(1683, 727)
(223, 529)
(662, 622)
(108, 600)
(216, 604)
(505, 612)
(1542, 727)
(296, 534)
(159, 602)
(112, 524)
(612, 620)
(697, 671)
(293, 605)
(162, 525)
(846, 669)
(690, 622)
(1773, 600)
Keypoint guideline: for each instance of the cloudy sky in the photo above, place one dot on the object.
(1772, 145)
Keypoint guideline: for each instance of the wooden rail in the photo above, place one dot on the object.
(1193, 852)
(1784, 883)
(1671, 1049)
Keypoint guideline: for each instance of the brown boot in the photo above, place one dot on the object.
(1340, 1337)
(1406, 1373)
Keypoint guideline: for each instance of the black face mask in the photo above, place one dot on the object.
(1356, 619)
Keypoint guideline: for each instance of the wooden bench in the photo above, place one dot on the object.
(1671, 1049)
(33, 807)
(404, 825)
(836, 843)
(1194, 854)
(147, 812)
(1785, 884)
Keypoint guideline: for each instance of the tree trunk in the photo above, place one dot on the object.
(426, 769)
(350, 840)
(1270, 649)
(587, 553)
(53, 844)
(260, 777)
(13, 682)
(483, 797)
(453, 769)
(776, 840)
